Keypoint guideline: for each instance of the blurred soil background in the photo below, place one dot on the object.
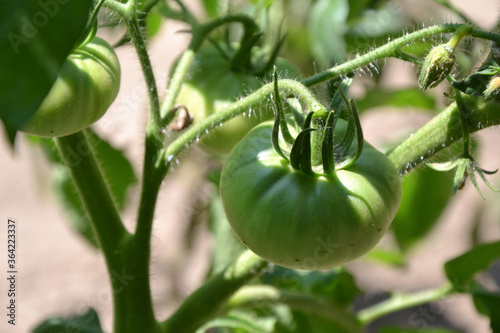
(61, 275)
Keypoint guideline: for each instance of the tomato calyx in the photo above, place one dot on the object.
(314, 150)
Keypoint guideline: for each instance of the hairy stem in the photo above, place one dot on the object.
(174, 86)
(112, 237)
(140, 47)
(403, 301)
(442, 131)
(290, 87)
(265, 295)
(208, 301)
(392, 48)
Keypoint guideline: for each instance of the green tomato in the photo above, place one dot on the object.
(87, 84)
(302, 221)
(211, 86)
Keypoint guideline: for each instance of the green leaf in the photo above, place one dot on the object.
(373, 27)
(337, 286)
(116, 168)
(489, 304)
(211, 7)
(426, 193)
(86, 323)
(461, 270)
(68, 197)
(393, 329)
(397, 98)
(35, 39)
(356, 7)
(227, 246)
(153, 23)
(326, 28)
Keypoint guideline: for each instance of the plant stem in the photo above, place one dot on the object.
(266, 295)
(77, 154)
(403, 301)
(200, 32)
(442, 131)
(140, 47)
(290, 87)
(174, 86)
(208, 301)
(392, 48)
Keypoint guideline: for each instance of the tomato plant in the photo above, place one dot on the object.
(291, 230)
(213, 84)
(306, 221)
(87, 84)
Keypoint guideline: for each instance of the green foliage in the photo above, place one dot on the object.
(402, 98)
(85, 323)
(461, 270)
(425, 195)
(33, 42)
(327, 25)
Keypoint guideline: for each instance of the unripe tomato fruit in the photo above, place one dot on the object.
(212, 85)
(302, 221)
(86, 85)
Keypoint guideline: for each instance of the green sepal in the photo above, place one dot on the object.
(461, 176)
(280, 121)
(466, 167)
(297, 112)
(327, 146)
(338, 103)
(275, 137)
(300, 156)
(341, 148)
(359, 135)
(280, 112)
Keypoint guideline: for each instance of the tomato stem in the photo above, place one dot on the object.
(392, 48)
(442, 131)
(128, 272)
(207, 301)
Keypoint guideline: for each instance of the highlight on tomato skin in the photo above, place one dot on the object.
(86, 86)
(302, 221)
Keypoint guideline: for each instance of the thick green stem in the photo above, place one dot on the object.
(403, 301)
(142, 52)
(442, 131)
(393, 48)
(265, 295)
(208, 301)
(111, 235)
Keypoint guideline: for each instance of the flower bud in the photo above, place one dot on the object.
(493, 88)
(437, 65)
